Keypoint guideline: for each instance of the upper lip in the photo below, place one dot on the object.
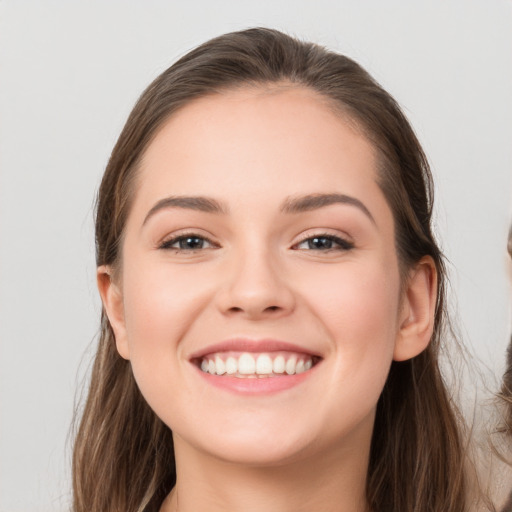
(250, 345)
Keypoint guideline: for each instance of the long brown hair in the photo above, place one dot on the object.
(123, 457)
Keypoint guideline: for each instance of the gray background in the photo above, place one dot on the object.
(69, 74)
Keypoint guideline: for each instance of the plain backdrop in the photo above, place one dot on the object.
(70, 73)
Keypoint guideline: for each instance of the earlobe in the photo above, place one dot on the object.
(112, 300)
(416, 323)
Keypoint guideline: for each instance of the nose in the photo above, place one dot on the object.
(255, 287)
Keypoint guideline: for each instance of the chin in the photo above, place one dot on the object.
(254, 454)
(258, 446)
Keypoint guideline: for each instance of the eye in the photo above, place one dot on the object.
(187, 243)
(324, 243)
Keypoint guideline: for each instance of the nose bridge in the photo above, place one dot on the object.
(256, 283)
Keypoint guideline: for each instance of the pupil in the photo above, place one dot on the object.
(320, 243)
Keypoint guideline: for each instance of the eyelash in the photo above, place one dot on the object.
(342, 244)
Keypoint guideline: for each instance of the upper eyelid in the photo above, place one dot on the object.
(179, 233)
(324, 233)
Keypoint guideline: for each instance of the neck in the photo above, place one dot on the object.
(331, 482)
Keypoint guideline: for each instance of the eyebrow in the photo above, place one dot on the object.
(198, 203)
(291, 205)
(316, 201)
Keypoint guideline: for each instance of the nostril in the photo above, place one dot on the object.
(269, 309)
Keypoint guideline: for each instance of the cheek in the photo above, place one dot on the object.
(360, 315)
(160, 307)
(358, 294)
(359, 308)
(158, 299)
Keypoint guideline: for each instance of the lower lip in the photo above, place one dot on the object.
(256, 386)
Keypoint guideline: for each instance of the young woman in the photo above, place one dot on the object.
(274, 298)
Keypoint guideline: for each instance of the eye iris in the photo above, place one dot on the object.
(320, 243)
(191, 242)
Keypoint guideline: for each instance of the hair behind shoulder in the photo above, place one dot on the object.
(123, 458)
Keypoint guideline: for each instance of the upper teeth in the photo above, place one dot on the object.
(247, 364)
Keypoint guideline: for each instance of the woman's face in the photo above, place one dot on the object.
(259, 295)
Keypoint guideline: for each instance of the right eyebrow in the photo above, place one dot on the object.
(198, 203)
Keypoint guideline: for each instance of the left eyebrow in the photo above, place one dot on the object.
(316, 201)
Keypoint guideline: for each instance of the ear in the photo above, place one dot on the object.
(112, 299)
(416, 322)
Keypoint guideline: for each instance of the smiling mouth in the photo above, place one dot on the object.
(247, 365)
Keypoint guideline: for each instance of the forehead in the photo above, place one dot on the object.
(259, 133)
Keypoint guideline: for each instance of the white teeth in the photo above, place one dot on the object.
(231, 365)
(278, 365)
(250, 365)
(246, 364)
(220, 366)
(290, 365)
(264, 365)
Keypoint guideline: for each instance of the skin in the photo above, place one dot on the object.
(253, 150)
